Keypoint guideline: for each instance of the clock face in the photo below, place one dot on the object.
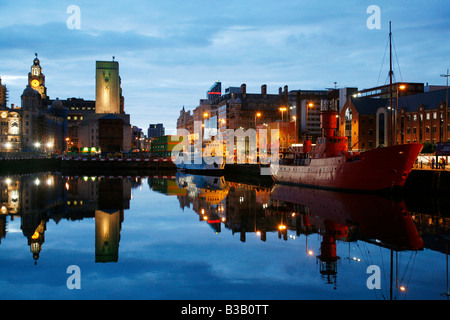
(35, 83)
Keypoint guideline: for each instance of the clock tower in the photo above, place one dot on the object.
(36, 79)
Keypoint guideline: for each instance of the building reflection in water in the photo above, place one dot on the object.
(350, 217)
(336, 217)
(33, 198)
(207, 195)
(37, 198)
(239, 207)
(105, 199)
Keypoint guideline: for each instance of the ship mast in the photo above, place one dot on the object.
(390, 87)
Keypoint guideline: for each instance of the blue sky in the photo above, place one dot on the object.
(170, 52)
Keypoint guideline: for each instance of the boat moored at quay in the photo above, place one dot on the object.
(329, 164)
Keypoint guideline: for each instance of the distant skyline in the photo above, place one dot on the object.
(171, 52)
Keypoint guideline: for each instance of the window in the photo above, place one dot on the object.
(428, 116)
(427, 129)
(415, 117)
(434, 115)
(14, 129)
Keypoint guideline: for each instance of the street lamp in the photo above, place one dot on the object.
(295, 120)
(282, 109)
(399, 87)
(310, 105)
(257, 115)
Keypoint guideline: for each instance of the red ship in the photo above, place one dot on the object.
(329, 164)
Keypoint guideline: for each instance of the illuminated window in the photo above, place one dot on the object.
(14, 128)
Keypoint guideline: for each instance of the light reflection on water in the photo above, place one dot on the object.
(199, 237)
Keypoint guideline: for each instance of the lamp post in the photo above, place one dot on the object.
(295, 120)
(399, 87)
(310, 105)
(204, 126)
(282, 109)
(446, 99)
(257, 115)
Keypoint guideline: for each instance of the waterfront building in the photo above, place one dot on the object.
(422, 118)
(215, 91)
(235, 109)
(383, 92)
(238, 109)
(10, 133)
(108, 100)
(162, 146)
(138, 139)
(305, 106)
(3, 95)
(245, 110)
(77, 109)
(365, 122)
(156, 130)
(40, 124)
(185, 121)
(368, 122)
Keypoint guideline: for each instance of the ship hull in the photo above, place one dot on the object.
(375, 170)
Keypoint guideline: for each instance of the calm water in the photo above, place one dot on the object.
(194, 237)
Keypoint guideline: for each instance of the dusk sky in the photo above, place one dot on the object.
(170, 52)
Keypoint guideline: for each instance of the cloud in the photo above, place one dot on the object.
(171, 51)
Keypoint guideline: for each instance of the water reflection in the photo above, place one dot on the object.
(346, 217)
(37, 198)
(234, 207)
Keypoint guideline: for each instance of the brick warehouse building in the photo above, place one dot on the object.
(420, 118)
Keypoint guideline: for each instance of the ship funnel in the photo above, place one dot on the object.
(329, 122)
(307, 142)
